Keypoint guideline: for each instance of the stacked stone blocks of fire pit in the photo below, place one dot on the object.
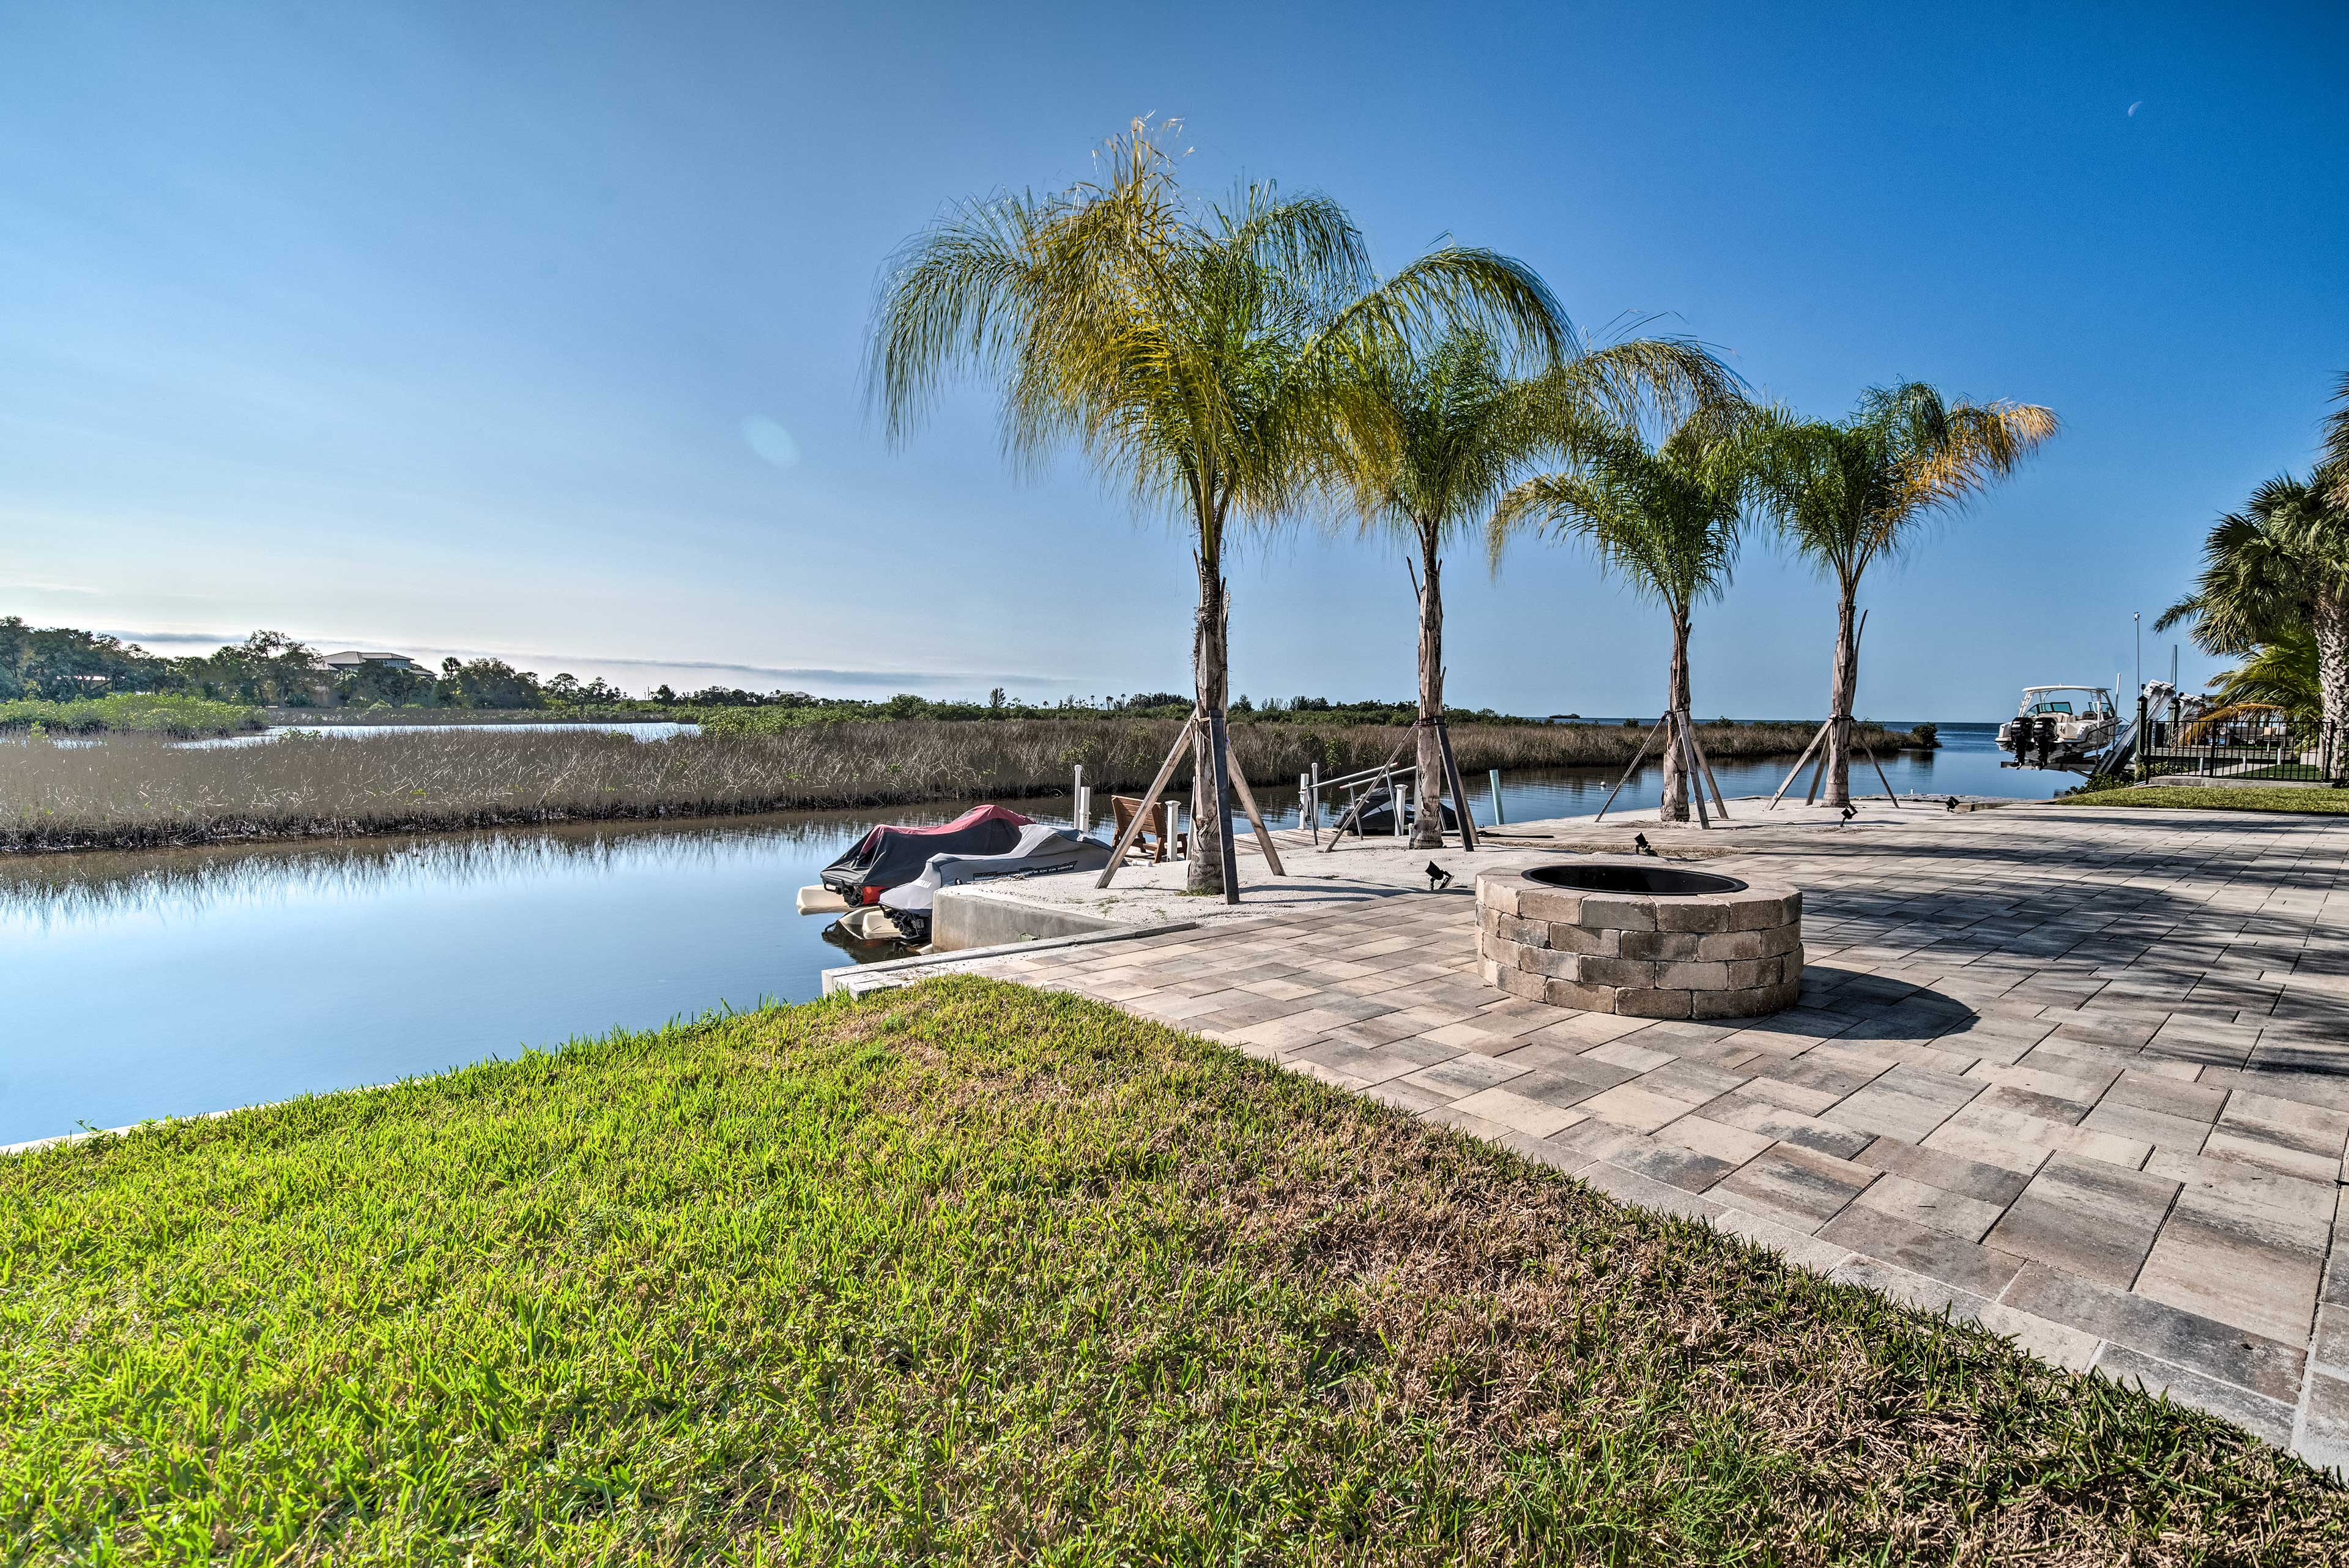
(1709, 955)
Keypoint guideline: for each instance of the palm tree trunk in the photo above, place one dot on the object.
(1676, 779)
(1427, 831)
(2331, 625)
(1839, 700)
(1211, 669)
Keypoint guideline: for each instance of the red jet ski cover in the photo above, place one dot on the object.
(891, 857)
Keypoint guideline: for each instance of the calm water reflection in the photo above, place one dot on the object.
(178, 981)
(648, 729)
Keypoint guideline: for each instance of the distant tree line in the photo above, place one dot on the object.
(268, 669)
(787, 710)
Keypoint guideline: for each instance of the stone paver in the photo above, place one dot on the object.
(2080, 1076)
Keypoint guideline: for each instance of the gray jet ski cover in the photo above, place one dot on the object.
(1041, 850)
(889, 856)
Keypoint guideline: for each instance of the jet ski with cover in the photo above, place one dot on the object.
(1039, 852)
(889, 857)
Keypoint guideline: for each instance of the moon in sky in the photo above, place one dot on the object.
(770, 441)
(2135, 107)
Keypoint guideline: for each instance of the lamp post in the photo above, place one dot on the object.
(2136, 743)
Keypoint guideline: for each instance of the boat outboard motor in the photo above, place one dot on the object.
(2018, 735)
(2046, 739)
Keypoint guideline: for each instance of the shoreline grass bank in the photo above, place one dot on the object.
(974, 1273)
(130, 714)
(2311, 801)
(127, 795)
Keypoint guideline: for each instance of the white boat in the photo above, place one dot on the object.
(2060, 726)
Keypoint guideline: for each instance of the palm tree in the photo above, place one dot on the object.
(1849, 492)
(1441, 429)
(1195, 353)
(1667, 519)
(2336, 444)
(2278, 568)
(2282, 673)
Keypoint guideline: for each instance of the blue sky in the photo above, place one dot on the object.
(537, 330)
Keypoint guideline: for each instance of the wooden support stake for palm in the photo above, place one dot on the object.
(1452, 782)
(1706, 763)
(1355, 810)
(1819, 774)
(1800, 764)
(1663, 722)
(1880, 774)
(1219, 758)
(1256, 820)
(1687, 770)
(1149, 800)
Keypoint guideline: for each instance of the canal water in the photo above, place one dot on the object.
(177, 982)
(650, 731)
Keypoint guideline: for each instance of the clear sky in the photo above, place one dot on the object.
(537, 330)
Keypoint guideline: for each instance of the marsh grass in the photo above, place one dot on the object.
(126, 793)
(971, 1273)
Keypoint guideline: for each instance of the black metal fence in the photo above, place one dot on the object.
(2254, 745)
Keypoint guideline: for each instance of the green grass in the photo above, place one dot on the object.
(132, 713)
(2216, 797)
(972, 1272)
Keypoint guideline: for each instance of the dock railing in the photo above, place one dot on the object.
(1347, 794)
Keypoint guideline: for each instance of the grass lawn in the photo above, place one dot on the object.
(975, 1273)
(2218, 797)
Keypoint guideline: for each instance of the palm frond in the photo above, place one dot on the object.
(1847, 493)
(2262, 568)
(2336, 443)
(1667, 520)
(2282, 673)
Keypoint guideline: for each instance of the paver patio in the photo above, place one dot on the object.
(2080, 1076)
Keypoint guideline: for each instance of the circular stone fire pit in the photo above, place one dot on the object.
(1640, 938)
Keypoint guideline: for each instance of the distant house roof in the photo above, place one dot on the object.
(355, 659)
